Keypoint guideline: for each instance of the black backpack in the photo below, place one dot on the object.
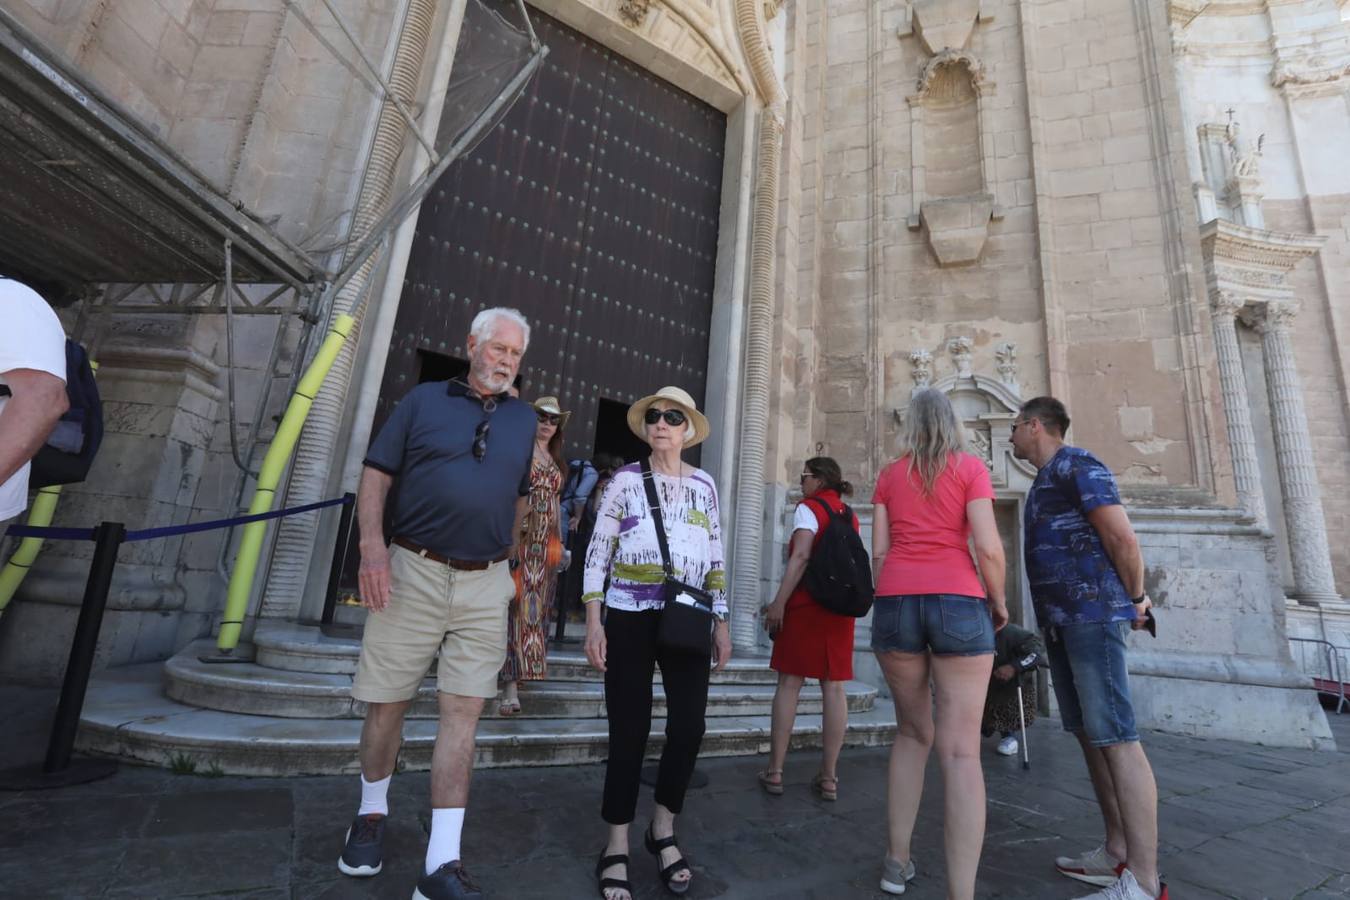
(839, 573)
(70, 448)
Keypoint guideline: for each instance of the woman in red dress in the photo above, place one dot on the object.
(809, 640)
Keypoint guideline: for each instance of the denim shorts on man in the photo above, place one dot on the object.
(946, 624)
(1087, 669)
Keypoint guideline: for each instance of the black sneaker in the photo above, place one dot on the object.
(363, 855)
(449, 882)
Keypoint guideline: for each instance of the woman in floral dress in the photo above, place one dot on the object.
(539, 555)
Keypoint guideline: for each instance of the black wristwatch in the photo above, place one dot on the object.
(1140, 599)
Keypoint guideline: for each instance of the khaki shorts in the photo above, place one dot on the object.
(433, 607)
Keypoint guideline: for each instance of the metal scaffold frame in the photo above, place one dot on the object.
(112, 208)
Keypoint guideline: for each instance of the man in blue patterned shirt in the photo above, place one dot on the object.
(1087, 583)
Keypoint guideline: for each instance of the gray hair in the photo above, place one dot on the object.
(486, 322)
(931, 434)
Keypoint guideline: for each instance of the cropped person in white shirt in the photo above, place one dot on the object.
(32, 387)
(624, 548)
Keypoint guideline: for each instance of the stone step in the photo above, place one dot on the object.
(334, 649)
(127, 715)
(256, 690)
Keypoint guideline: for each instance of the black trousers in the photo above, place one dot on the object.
(632, 655)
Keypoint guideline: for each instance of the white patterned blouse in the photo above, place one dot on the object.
(624, 545)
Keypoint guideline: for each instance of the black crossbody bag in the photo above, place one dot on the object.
(686, 618)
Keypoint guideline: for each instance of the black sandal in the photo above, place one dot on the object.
(620, 884)
(654, 847)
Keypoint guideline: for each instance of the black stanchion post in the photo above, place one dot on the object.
(340, 546)
(58, 770)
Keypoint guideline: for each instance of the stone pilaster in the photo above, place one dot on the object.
(1308, 548)
(1237, 406)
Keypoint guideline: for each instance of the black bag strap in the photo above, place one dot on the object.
(654, 504)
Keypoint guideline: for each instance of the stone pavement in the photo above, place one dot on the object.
(1237, 821)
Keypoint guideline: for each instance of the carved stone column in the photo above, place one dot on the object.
(1236, 404)
(1308, 548)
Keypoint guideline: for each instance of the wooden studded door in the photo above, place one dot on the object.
(592, 208)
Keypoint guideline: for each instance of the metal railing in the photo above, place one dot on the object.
(1335, 670)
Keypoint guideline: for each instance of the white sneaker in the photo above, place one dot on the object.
(1094, 867)
(1126, 888)
(894, 875)
(1008, 746)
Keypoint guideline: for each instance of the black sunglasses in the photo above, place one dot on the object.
(480, 436)
(673, 417)
(548, 417)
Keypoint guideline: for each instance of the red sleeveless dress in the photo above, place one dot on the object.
(814, 642)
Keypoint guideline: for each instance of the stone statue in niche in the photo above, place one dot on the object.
(1246, 165)
(982, 446)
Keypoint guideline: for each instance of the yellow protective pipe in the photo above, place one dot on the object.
(41, 514)
(269, 476)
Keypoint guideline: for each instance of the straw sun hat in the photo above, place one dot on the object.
(550, 405)
(681, 399)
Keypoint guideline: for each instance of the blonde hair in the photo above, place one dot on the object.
(931, 435)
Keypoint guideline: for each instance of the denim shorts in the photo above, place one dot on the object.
(946, 624)
(1087, 668)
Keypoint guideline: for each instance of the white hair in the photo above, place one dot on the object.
(486, 322)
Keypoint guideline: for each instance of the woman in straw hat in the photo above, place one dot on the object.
(625, 549)
(539, 555)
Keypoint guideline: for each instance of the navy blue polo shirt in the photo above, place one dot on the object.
(443, 498)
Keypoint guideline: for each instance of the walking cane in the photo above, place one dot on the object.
(1022, 717)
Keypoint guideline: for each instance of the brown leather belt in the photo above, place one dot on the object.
(465, 565)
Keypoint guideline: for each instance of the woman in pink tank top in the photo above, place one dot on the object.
(934, 619)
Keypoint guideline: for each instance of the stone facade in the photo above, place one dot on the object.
(1139, 206)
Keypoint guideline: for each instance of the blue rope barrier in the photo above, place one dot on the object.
(148, 534)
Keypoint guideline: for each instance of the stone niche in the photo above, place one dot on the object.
(951, 144)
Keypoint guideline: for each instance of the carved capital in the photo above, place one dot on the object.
(1226, 304)
(921, 368)
(1277, 316)
(959, 348)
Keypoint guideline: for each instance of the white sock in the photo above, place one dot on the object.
(443, 847)
(374, 796)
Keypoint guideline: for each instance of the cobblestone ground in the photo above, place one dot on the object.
(1236, 820)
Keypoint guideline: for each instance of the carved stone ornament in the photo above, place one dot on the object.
(921, 368)
(1308, 70)
(772, 8)
(634, 12)
(978, 73)
(1226, 304)
(1278, 316)
(1005, 357)
(959, 348)
(982, 446)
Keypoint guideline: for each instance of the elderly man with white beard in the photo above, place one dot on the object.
(457, 456)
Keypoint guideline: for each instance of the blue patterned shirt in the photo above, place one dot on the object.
(1073, 581)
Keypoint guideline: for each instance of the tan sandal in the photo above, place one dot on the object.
(826, 793)
(773, 788)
